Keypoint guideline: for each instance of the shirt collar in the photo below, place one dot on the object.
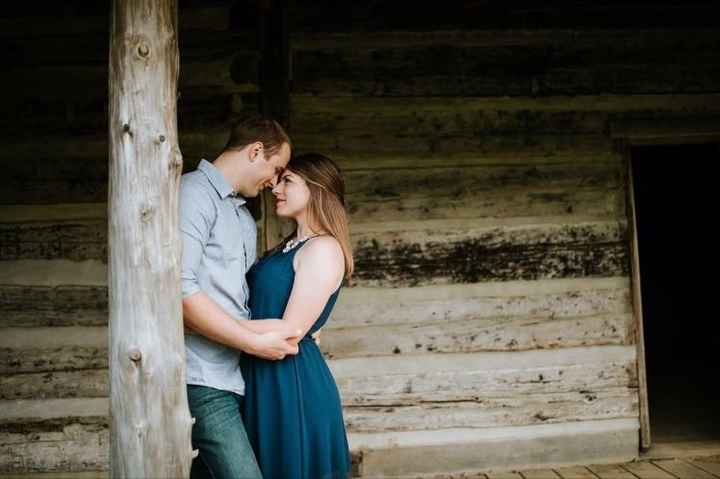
(218, 181)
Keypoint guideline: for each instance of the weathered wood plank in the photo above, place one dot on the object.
(74, 168)
(53, 273)
(477, 376)
(422, 415)
(464, 38)
(498, 334)
(682, 469)
(552, 298)
(82, 447)
(420, 115)
(401, 454)
(610, 471)
(539, 474)
(495, 412)
(472, 192)
(75, 448)
(459, 252)
(575, 472)
(504, 475)
(50, 302)
(52, 414)
(408, 253)
(217, 67)
(707, 464)
(37, 306)
(74, 240)
(513, 63)
(647, 470)
(86, 383)
(467, 191)
(42, 24)
(52, 349)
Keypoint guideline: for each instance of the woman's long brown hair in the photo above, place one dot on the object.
(326, 206)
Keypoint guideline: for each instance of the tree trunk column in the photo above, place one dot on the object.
(150, 422)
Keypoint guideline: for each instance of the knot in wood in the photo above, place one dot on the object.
(135, 355)
(126, 128)
(161, 138)
(146, 213)
(143, 50)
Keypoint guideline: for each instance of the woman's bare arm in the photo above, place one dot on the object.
(319, 269)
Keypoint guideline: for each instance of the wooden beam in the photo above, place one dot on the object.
(645, 437)
(150, 421)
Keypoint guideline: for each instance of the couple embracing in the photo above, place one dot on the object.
(264, 401)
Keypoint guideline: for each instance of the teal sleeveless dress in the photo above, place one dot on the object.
(292, 410)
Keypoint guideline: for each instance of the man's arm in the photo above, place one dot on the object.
(205, 316)
(200, 312)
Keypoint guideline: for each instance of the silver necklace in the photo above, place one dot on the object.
(296, 241)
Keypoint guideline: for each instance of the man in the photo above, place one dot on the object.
(219, 246)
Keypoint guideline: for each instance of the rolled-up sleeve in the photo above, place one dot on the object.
(196, 219)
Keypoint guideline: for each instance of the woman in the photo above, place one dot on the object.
(292, 409)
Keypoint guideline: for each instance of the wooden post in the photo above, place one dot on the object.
(150, 422)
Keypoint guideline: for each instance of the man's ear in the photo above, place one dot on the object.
(255, 149)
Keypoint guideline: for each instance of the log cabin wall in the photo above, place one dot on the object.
(489, 324)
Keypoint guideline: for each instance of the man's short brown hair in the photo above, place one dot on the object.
(258, 128)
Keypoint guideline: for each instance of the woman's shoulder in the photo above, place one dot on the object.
(322, 246)
(321, 250)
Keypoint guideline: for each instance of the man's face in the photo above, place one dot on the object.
(266, 170)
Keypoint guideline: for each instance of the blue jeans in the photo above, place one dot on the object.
(219, 435)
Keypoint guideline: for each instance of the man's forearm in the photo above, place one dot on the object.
(206, 317)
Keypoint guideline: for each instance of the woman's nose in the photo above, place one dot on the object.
(276, 188)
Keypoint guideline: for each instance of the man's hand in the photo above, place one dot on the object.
(275, 346)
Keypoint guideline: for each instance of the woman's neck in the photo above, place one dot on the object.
(304, 229)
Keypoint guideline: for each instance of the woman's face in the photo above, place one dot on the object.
(291, 195)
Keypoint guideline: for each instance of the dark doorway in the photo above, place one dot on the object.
(676, 190)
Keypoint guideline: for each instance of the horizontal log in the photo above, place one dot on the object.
(75, 347)
(413, 253)
(528, 38)
(84, 383)
(32, 351)
(68, 22)
(33, 301)
(77, 448)
(75, 170)
(495, 334)
(427, 119)
(518, 63)
(408, 379)
(74, 240)
(87, 449)
(32, 305)
(551, 298)
(24, 305)
(54, 435)
(362, 108)
(405, 454)
(475, 192)
(458, 15)
(421, 194)
(496, 412)
(52, 349)
(53, 273)
(444, 252)
(53, 415)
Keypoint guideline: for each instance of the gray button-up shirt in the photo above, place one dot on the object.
(219, 240)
